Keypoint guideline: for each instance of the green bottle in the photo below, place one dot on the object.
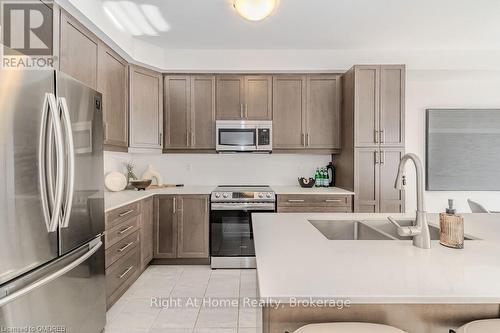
(317, 178)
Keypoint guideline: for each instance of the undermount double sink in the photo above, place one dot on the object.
(373, 230)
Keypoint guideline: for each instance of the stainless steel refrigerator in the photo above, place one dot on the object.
(51, 203)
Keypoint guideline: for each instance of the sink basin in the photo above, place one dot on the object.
(392, 230)
(348, 230)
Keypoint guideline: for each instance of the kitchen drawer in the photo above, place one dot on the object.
(118, 233)
(315, 209)
(121, 248)
(317, 200)
(122, 270)
(119, 215)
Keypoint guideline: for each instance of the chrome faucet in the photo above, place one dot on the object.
(420, 229)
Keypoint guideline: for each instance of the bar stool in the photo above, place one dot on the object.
(348, 328)
(480, 326)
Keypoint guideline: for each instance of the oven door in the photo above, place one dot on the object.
(236, 139)
(231, 233)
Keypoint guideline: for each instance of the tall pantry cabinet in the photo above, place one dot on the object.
(373, 136)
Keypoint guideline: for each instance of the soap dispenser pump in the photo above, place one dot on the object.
(451, 228)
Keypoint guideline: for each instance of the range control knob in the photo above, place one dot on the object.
(261, 195)
(217, 195)
(224, 195)
(268, 195)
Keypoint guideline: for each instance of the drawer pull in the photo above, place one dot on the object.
(333, 200)
(125, 273)
(125, 247)
(295, 200)
(126, 213)
(121, 232)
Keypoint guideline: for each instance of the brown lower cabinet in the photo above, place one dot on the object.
(181, 226)
(314, 203)
(128, 243)
(146, 232)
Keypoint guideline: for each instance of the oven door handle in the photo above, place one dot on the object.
(245, 208)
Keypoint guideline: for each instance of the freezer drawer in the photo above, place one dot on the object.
(74, 302)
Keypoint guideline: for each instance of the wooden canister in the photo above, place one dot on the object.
(452, 230)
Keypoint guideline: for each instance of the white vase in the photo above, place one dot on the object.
(152, 174)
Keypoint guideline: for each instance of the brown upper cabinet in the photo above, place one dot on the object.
(112, 81)
(323, 112)
(78, 49)
(146, 108)
(306, 112)
(86, 58)
(189, 112)
(379, 105)
(246, 97)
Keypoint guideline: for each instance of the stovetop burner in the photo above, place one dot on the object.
(243, 193)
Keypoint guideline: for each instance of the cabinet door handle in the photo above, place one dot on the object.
(192, 138)
(125, 213)
(126, 246)
(333, 200)
(376, 136)
(307, 139)
(246, 110)
(174, 206)
(241, 110)
(382, 135)
(376, 157)
(382, 157)
(161, 139)
(295, 200)
(187, 138)
(122, 275)
(121, 232)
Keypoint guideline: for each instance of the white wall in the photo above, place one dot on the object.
(215, 169)
(436, 78)
(447, 89)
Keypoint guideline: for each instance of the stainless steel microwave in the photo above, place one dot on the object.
(244, 136)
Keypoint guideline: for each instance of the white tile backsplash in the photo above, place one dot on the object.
(214, 169)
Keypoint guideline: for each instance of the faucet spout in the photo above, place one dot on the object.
(420, 229)
(420, 178)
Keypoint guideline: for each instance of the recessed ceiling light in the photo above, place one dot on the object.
(255, 10)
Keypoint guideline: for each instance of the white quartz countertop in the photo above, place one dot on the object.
(113, 200)
(296, 189)
(295, 260)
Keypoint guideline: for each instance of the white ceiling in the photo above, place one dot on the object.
(332, 24)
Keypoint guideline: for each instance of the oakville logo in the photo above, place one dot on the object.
(26, 28)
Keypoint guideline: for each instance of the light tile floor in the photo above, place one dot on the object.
(192, 299)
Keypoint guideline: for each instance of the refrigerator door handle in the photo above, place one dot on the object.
(70, 167)
(93, 247)
(42, 154)
(51, 126)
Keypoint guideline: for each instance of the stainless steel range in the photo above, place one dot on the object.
(231, 232)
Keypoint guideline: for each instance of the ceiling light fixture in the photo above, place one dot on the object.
(255, 10)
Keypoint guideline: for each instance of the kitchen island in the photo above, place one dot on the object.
(386, 281)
